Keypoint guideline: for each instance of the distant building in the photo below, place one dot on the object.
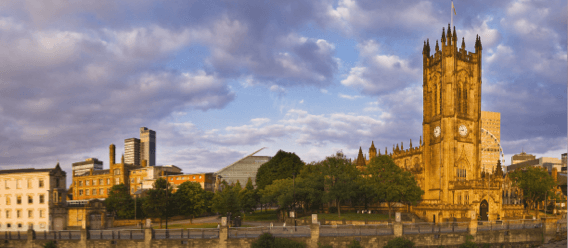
(563, 158)
(490, 153)
(521, 157)
(82, 168)
(148, 146)
(144, 177)
(243, 169)
(33, 198)
(206, 180)
(548, 163)
(132, 151)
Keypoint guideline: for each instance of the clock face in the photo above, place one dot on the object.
(463, 130)
(437, 131)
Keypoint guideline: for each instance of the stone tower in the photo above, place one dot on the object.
(451, 114)
(372, 151)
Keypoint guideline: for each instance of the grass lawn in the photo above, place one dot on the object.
(268, 216)
(198, 225)
(352, 216)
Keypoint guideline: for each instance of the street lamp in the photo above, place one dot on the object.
(294, 197)
(135, 203)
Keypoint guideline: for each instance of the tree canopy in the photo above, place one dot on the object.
(190, 199)
(535, 184)
(119, 202)
(159, 200)
(282, 165)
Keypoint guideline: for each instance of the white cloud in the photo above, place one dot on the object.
(350, 97)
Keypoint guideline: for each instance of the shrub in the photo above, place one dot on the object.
(400, 242)
(49, 244)
(324, 246)
(332, 210)
(266, 240)
(354, 244)
(468, 243)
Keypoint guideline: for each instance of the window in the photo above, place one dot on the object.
(30, 213)
(41, 183)
(132, 180)
(8, 214)
(101, 181)
(80, 183)
(29, 183)
(193, 177)
(9, 225)
(177, 178)
(88, 183)
(19, 199)
(117, 181)
(42, 198)
(108, 181)
(183, 178)
(199, 177)
(87, 192)
(101, 191)
(18, 213)
(117, 171)
(56, 183)
(19, 225)
(132, 191)
(42, 225)
(94, 182)
(8, 200)
(6, 184)
(80, 192)
(94, 191)
(41, 213)
(31, 225)
(18, 184)
(138, 180)
(30, 199)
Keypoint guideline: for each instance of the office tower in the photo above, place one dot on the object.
(132, 151)
(148, 146)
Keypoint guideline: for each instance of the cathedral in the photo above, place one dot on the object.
(447, 162)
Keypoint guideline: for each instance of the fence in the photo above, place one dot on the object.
(280, 231)
(116, 234)
(508, 225)
(356, 230)
(14, 235)
(453, 227)
(191, 233)
(67, 234)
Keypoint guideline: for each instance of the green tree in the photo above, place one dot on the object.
(226, 200)
(159, 201)
(282, 165)
(247, 197)
(340, 179)
(190, 200)
(535, 184)
(399, 242)
(392, 184)
(119, 202)
(266, 240)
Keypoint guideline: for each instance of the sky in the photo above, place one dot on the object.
(218, 80)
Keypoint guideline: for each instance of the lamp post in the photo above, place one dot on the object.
(294, 197)
(167, 184)
(136, 203)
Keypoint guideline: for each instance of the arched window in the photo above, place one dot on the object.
(465, 100)
(440, 89)
(435, 100)
(459, 100)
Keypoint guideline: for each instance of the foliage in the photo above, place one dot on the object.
(50, 244)
(354, 244)
(282, 165)
(119, 202)
(159, 200)
(280, 191)
(324, 246)
(247, 197)
(227, 201)
(399, 242)
(340, 179)
(468, 243)
(534, 182)
(208, 198)
(266, 240)
(391, 183)
(270, 215)
(190, 199)
(350, 216)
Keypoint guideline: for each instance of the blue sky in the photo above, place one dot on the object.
(218, 80)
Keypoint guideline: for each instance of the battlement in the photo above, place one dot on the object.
(449, 48)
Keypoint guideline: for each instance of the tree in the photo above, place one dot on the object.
(340, 179)
(190, 200)
(159, 201)
(247, 197)
(392, 184)
(119, 202)
(226, 200)
(282, 165)
(535, 184)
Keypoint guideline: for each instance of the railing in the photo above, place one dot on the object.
(508, 225)
(451, 227)
(65, 234)
(277, 231)
(191, 233)
(356, 230)
(14, 235)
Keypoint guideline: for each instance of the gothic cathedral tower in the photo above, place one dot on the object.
(452, 114)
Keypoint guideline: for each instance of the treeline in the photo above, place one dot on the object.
(333, 182)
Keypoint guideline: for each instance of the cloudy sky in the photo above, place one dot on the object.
(218, 80)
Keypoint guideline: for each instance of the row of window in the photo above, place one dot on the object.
(28, 181)
(8, 213)
(30, 199)
(93, 182)
(19, 225)
(183, 178)
(101, 191)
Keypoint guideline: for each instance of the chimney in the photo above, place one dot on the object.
(112, 149)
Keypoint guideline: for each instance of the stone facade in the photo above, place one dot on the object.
(447, 163)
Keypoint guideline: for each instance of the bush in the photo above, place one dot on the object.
(266, 240)
(49, 244)
(354, 244)
(332, 210)
(400, 242)
(324, 246)
(468, 243)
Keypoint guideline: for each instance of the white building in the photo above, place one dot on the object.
(32, 198)
(84, 167)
